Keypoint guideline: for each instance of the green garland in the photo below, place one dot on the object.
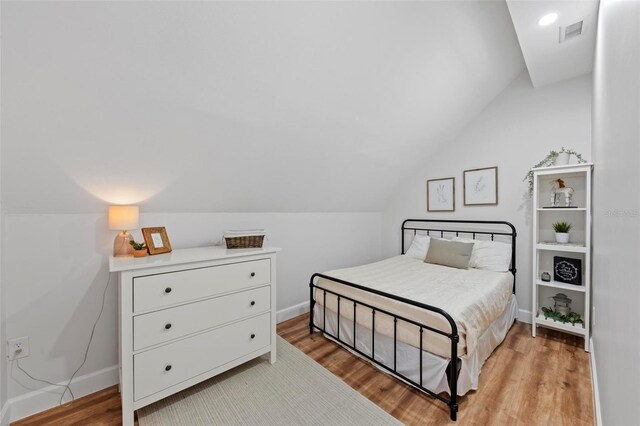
(571, 317)
(549, 160)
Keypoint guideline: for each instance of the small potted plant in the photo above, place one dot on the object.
(139, 249)
(562, 231)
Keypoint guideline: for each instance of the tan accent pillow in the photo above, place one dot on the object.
(454, 254)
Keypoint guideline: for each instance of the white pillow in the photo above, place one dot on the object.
(419, 247)
(489, 255)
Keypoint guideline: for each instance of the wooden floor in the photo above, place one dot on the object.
(100, 408)
(541, 381)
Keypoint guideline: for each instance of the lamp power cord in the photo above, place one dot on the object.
(67, 386)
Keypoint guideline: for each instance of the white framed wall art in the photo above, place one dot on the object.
(480, 187)
(441, 195)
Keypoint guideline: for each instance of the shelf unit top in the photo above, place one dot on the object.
(566, 166)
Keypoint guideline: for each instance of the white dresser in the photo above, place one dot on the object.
(189, 315)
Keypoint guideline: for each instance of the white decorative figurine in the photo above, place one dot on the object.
(557, 189)
(554, 196)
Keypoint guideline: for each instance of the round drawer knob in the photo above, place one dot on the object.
(253, 274)
(167, 368)
(253, 336)
(167, 290)
(167, 326)
(253, 302)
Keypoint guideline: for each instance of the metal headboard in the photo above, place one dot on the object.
(416, 225)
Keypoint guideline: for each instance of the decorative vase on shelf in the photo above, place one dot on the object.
(562, 237)
(562, 159)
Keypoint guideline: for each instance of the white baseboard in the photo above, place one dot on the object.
(34, 402)
(594, 385)
(4, 414)
(292, 312)
(524, 316)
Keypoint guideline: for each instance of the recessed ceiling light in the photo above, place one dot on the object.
(548, 19)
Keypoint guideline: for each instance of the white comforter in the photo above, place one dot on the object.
(473, 297)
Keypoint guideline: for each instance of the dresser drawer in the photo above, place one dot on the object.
(167, 324)
(168, 365)
(157, 291)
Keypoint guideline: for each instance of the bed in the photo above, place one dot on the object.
(430, 326)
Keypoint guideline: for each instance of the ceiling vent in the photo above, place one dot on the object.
(571, 31)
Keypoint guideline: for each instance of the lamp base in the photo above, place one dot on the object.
(121, 246)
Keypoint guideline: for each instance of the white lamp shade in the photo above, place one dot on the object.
(122, 218)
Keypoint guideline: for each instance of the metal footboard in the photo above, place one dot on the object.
(452, 401)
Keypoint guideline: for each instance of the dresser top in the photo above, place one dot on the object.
(182, 256)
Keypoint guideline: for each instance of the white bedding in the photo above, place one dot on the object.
(474, 298)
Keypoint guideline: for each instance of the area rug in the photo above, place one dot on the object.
(295, 390)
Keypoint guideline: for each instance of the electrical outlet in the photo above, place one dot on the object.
(17, 348)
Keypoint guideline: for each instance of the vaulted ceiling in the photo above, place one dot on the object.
(551, 56)
(238, 106)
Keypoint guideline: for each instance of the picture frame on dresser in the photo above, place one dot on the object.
(157, 240)
(175, 311)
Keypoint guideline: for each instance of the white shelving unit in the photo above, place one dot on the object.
(578, 177)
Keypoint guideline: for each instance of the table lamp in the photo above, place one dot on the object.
(123, 218)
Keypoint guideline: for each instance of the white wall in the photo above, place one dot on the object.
(616, 219)
(3, 377)
(514, 132)
(57, 269)
(237, 106)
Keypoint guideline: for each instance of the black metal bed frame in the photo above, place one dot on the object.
(452, 369)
